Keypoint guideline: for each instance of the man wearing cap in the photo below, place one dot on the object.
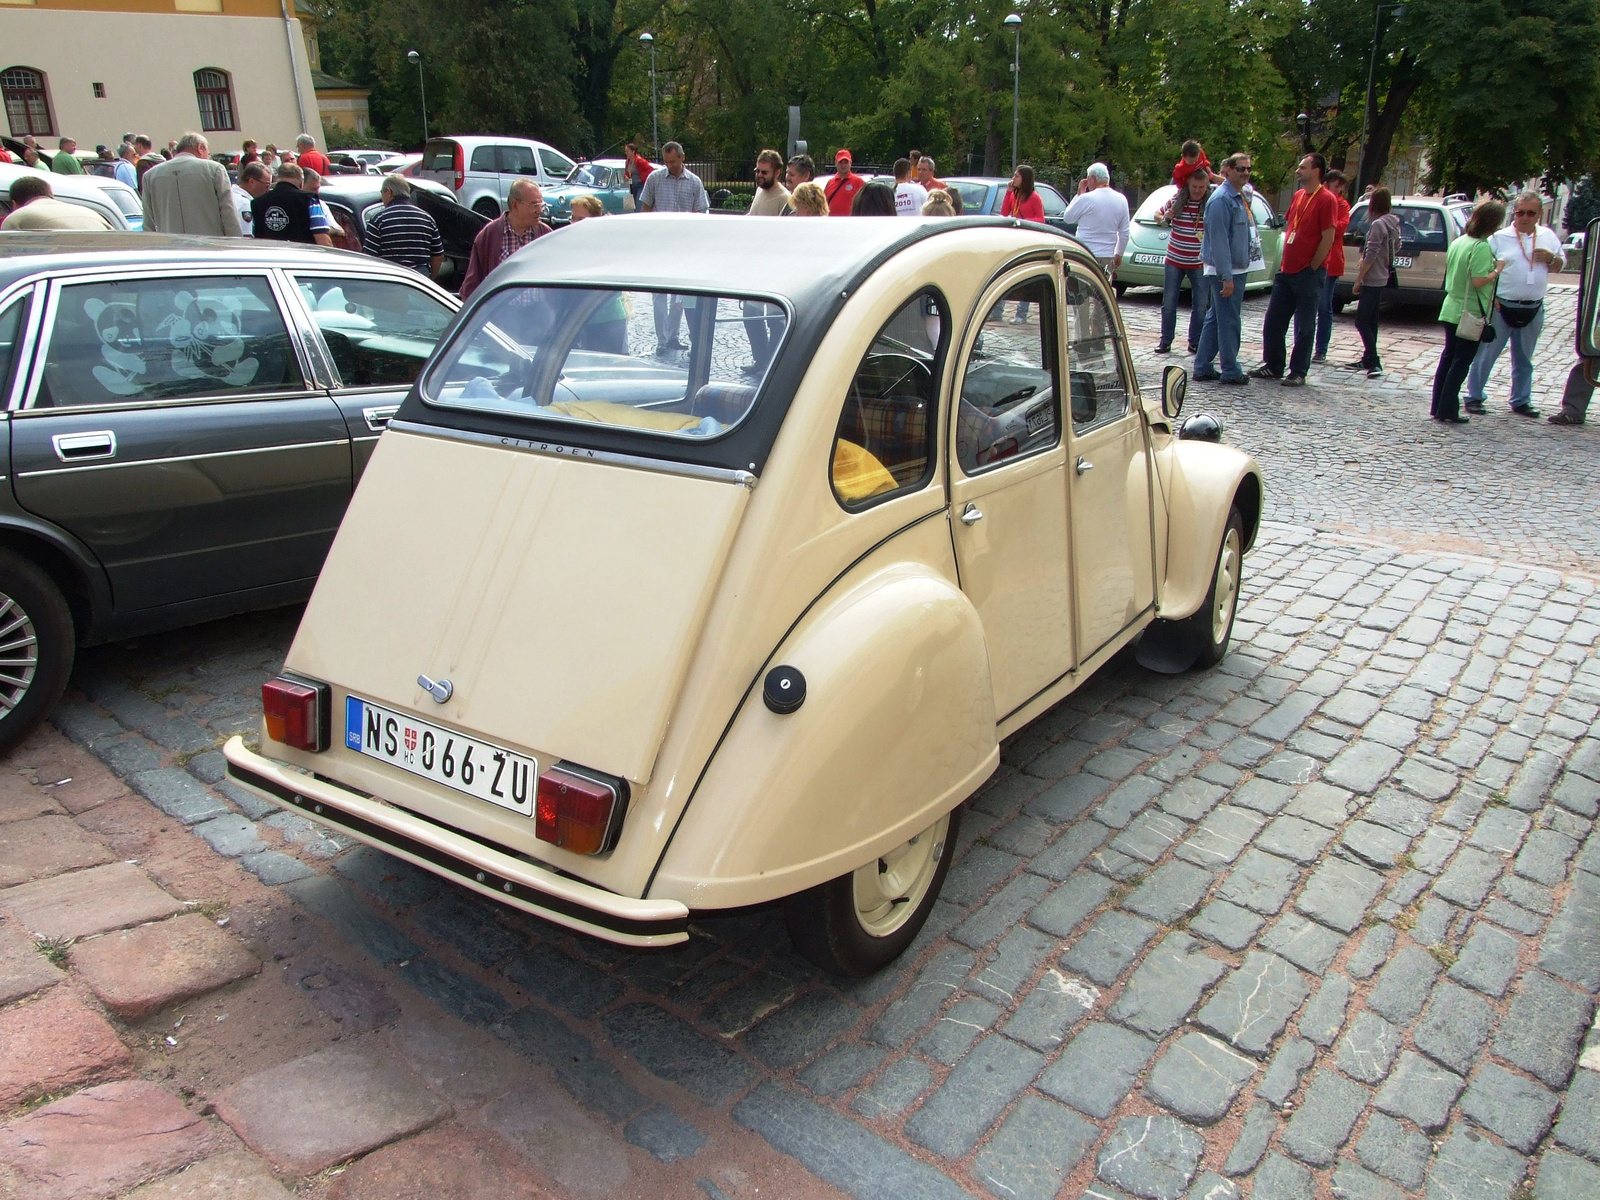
(842, 188)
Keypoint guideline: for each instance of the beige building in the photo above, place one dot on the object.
(340, 103)
(96, 69)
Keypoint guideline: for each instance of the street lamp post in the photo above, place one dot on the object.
(1014, 23)
(1372, 70)
(416, 61)
(655, 130)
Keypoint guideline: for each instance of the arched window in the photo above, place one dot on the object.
(27, 104)
(214, 90)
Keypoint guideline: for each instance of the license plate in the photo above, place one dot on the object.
(1150, 260)
(1039, 418)
(479, 769)
(1402, 262)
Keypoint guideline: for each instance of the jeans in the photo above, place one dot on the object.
(1220, 331)
(1455, 360)
(669, 320)
(1198, 295)
(763, 332)
(1293, 296)
(1522, 342)
(1367, 326)
(1325, 315)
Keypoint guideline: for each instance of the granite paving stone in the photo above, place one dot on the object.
(1281, 1178)
(1069, 851)
(1054, 1004)
(1323, 1017)
(1098, 1068)
(1362, 766)
(1262, 795)
(1198, 1078)
(1324, 1119)
(667, 1136)
(1227, 924)
(1394, 1150)
(675, 1051)
(1500, 830)
(1261, 882)
(1488, 960)
(1402, 813)
(1543, 1028)
(907, 1015)
(1124, 802)
(1003, 972)
(1033, 1150)
(1579, 1127)
(1471, 1166)
(1467, 880)
(1293, 838)
(1307, 944)
(1191, 799)
(1515, 1108)
(1150, 835)
(1371, 952)
(1065, 908)
(978, 1089)
(1403, 986)
(1338, 894)
(1221, 837)
(957, 1028)
(893, 1091)
(1544, 857)
(1254, 1003)
(1562, 1176)
(1166, 986)
(1375, 844)
(1571, 947)
(1254, 1137)
(975, 872)
(1152, 1157)
(1368, 1048)
(1455, 1027)
(1420, 1091)
(1109, 946)
(842, 1068)
(1171, 891)
(1351, 1182)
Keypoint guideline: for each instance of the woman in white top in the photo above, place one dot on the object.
(1529, 251)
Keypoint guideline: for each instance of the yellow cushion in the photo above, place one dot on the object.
(857, 473)
(607, 412)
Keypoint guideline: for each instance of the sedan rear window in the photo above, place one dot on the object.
(670, 365)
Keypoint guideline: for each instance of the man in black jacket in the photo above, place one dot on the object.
(287, 214)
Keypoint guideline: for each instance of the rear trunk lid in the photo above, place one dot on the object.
(562, 597)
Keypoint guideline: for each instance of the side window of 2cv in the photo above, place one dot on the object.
(886, 437)
(1008, 393)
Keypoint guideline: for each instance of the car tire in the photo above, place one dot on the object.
(37, 645)
(1209, 629)
(1121, 289)
(853, 925)
(486, 208)
(1339, 304)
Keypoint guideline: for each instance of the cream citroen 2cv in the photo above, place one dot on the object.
(710, 560)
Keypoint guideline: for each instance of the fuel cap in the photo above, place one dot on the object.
(784, 690)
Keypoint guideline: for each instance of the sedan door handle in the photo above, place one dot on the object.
(378, 418)
(1083, 465)
(77, 447)
(972, 514)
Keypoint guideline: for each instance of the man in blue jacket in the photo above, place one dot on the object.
(1225, 260)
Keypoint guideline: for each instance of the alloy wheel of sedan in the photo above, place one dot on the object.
(19, 653)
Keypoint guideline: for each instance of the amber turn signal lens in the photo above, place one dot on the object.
(579, 813)
(296, 712)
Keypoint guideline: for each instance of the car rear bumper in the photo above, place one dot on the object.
(455, 856)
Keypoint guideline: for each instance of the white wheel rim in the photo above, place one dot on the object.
(1227, 586)
(890, 888)
(19, 654)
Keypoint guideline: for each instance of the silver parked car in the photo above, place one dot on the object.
(481, 170)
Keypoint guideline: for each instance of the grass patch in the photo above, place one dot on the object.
(1405, 861)
(1405, 919)
(209, 909)
(1445, 954)
(54, 949)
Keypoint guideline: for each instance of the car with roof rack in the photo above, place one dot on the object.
(620, 628)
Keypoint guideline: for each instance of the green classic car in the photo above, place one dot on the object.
(1144, 261)
(601, 178)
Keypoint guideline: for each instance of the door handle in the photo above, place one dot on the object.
(1083, 465)
(971, 514)
(378, 418)
(77, 447)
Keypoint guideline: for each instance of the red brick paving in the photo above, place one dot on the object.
(447, 1161)
(23, 970)
(138, 971)
(53, 1043)
(103, 1140)
(234, 1175)
(87, 902)
(45, 846)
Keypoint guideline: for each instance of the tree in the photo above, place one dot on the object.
(1583, 206)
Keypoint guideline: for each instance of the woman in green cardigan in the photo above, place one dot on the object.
(1469, 275)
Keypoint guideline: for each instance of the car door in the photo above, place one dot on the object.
(1055, 208)
(1112, 555)
(377, 331)
(169, 425)
(1008, 486)
(1270, 231)
(1424, 243)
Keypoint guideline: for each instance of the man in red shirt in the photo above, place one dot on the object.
(842, 188)
(1308, 237)
(1334, 182)
(307, 154)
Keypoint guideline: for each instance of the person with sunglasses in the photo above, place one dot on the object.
(1225, 264)
(1528, 251)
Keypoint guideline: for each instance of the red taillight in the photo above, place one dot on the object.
(297, 712)
(1004, 448)
(461, 166)
(579, 813)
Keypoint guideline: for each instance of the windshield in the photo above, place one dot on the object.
(127, 200)
(588, 175)
(681, 366)
(972, 195)
(1154, 203)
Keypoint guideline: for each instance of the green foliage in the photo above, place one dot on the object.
(1500, 89)
(1583, 207)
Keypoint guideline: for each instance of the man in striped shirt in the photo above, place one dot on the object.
(403, 233)
(1185, 217)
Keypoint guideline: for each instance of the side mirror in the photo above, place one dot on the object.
(1174, 387)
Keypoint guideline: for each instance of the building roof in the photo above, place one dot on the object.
(323, 82)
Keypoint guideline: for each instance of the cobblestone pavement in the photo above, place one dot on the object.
(1353, 455)
(1324, 921)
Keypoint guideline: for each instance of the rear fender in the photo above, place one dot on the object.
(898, 727)
(1206, 480)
